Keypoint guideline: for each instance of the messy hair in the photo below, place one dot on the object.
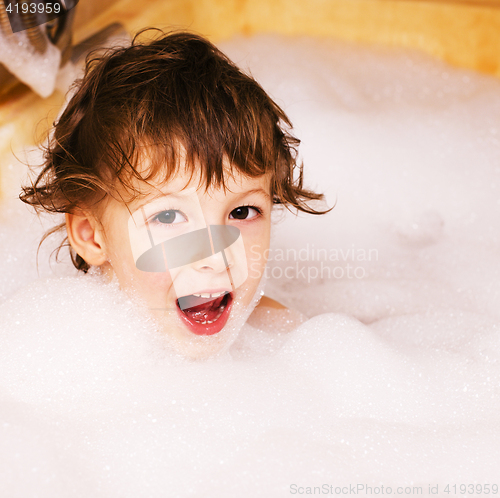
(175, 95)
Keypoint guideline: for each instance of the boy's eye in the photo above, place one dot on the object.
(169, 217)
(244, 213)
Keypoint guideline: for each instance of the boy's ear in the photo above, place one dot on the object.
(85, 237)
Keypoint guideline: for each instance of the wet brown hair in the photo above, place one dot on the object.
(160, 98)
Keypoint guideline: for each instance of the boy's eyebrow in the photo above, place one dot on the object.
(259, 190)
(160, 195)
(255, 191)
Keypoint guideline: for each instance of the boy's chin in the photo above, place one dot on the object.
(204, 347)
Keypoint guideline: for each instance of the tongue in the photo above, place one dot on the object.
(207, 310)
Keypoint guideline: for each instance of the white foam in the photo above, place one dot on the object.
(37, 70)
(394, 380)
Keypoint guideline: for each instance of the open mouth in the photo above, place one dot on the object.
(205, 313)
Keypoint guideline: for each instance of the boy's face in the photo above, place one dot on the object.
(193, 257)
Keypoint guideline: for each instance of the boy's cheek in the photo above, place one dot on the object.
(257, 251)
(154, 289)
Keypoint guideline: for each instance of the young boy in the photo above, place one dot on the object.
(167, 163)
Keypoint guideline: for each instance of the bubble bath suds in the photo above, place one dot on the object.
(393, 381)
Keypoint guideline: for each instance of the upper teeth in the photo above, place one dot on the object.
(208, 296)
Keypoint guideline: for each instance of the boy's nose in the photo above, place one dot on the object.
(221, 238)
(204, 248)
(216, 263)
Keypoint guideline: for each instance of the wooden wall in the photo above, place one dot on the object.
(463, 32)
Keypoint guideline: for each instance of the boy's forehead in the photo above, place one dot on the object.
(184, 183)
